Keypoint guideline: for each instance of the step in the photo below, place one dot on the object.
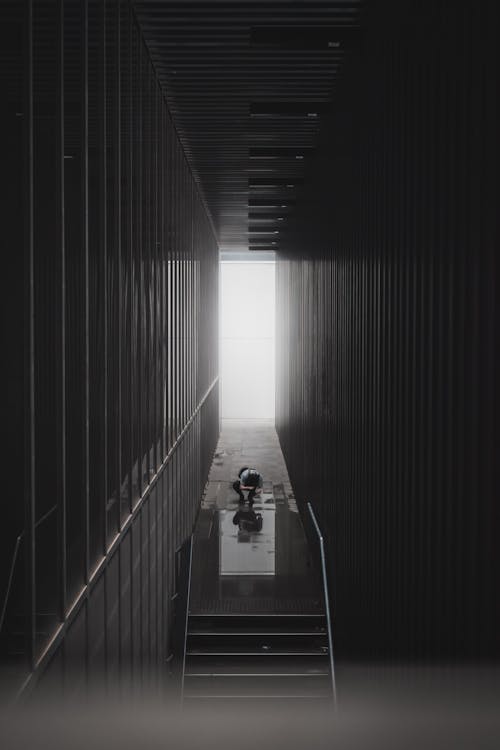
(270, 622)
(273, 702)
(249, 641)
(232, 631)
(317, 663)
(254, 685)
(262, 651)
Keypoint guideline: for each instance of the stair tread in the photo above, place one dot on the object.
(324, 673)
(251, 663)
(258, 641)
(257, 656)
(258, 631)
(260, 696)
(273, 652)
(270, 616)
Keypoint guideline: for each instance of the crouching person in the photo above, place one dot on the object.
(248, 479)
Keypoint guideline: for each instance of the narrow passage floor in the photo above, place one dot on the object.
(269, 571)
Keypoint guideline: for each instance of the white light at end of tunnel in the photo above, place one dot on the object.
(247, 346)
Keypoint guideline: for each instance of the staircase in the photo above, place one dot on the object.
(256, 657)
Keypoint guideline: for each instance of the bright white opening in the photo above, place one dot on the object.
(247, 339)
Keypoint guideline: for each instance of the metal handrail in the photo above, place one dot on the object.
(13, 564)
(327, 601)
(9, 582)
(188, 594)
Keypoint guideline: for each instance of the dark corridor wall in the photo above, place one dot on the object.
(387, 405)
(110, 314)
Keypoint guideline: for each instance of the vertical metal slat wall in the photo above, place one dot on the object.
(387, 403)
(113, 336)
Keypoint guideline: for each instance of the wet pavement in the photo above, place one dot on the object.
(258, 572)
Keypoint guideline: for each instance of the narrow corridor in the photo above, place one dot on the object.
(332, 167)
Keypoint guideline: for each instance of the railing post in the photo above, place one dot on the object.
(186, 621)
(327, 601)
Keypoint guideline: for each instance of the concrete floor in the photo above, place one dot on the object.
(266, 571)
(251, 443)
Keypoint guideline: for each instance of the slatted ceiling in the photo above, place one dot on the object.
(247, 85)
(299, 38)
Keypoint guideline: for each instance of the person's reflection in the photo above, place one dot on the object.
(247, 521)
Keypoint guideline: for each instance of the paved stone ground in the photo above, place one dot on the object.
(292, 587)
(252, 443)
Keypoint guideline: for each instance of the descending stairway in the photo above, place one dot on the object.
(261, 657)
